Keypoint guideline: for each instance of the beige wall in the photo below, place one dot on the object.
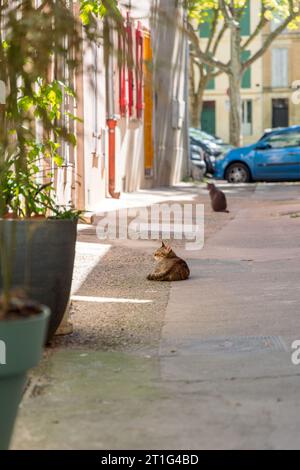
(261, 91)
(291, 41)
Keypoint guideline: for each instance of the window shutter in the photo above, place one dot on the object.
(246, 79)
(205, 27)
(130, 65)
(139, 71)
(280, 67)
(122, 74)
(246, 20)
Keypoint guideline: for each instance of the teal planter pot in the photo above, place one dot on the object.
(21, 347)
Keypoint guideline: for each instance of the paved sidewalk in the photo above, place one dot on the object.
(222, 377)
(228, 332)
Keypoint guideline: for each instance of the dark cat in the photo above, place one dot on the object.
(218, 198)
(169, 266)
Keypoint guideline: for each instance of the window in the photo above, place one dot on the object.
(247, 117)
(246, 79)
(130, 65)
(291, 139)
(139, 45)
(130, 90)
(205, 27)
(211, 83)
(122, 75)
(245, 20)
(280, 68)
(280, 112)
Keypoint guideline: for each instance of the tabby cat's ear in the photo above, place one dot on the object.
(163, 245)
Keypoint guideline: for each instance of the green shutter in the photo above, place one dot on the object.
(208, 117)
(245, 20)
(246, 79)
(205, 27)
(205, 30)
(211, 84)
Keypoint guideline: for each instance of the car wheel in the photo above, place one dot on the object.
(237, 173)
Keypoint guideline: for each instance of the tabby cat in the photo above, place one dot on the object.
(217, 198)
(169, 266)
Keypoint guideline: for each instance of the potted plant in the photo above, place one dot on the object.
(45, 234)
(23, 326)
(36, 44)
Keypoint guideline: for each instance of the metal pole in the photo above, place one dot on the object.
(187, 107)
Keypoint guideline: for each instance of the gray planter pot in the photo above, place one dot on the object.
(43, 262)
(23, 342)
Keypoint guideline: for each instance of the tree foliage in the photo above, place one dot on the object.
(200, 10)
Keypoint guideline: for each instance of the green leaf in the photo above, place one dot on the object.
(58, 160)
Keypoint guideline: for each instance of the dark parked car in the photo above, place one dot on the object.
(208, 151)
(275, 157)
(216, 142)
(198, 163)
(212, 147)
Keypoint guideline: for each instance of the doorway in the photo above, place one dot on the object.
(208, 117)
(280, 112)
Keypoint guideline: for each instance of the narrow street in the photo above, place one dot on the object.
(199, 364)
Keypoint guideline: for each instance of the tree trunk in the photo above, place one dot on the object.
(235, 85)
(197, 103)
(235, 117)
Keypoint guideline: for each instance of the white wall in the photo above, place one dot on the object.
(95, 148)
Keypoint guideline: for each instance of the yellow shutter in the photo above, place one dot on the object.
(148, 110)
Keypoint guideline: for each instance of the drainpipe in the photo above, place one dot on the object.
(111, 120)
(111, 124)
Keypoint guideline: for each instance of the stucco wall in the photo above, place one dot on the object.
(291, 41)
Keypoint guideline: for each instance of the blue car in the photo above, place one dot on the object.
(275, 157)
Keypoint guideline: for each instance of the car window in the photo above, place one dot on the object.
(291, 139)
(196, 133)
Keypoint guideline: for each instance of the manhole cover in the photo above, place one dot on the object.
(233, 345)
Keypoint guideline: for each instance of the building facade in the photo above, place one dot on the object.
(267, 86)
(281, 75)
(131, 104)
